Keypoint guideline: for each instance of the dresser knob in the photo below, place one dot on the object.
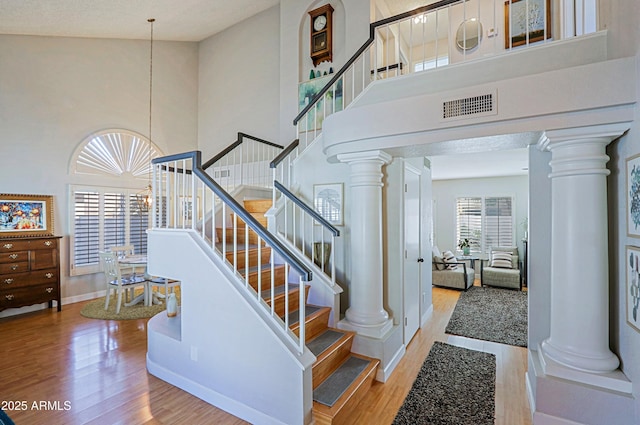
(48, 275)
(15, 267)
(13, 256)
(8, 281)
(7, 246)
(49, 290)
(48, 243)
(9, 296)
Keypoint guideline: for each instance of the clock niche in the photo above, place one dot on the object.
(321, 38)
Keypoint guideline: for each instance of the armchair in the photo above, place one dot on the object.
(451, 273)
(502, 270)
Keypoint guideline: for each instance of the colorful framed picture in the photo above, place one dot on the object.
(633, 286)
(26, 215)
(633, 196)
(327, 201)
(524, 21)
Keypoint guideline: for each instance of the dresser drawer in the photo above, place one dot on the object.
(17, 267)
(30, 278)
(43, 243)
(27, 296)
(14, 256)
(13, 246)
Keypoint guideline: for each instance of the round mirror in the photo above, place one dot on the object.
(469, 34)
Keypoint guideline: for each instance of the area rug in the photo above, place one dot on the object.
(491, 314)
(95, 309)
(455, 386)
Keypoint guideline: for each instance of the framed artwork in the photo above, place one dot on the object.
(526, 18)
(327, 201)
(332, 100)
(26, 215)
(633, 287)
(633, 196)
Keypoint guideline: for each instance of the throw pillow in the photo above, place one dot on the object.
(437, 263)
(450, 258)
(501, 259)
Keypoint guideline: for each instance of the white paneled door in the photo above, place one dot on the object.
(411, 285)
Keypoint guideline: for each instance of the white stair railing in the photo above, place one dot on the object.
(311, 234)
(185, 197)
(244, 162)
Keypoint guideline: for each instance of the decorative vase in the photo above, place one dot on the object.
(312, 75)
(172, 305)
(466, 250)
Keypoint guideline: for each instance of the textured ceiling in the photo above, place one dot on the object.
(183, 20)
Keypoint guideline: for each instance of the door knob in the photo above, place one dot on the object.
(420, 260)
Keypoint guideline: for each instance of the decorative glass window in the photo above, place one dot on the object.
(109, 216)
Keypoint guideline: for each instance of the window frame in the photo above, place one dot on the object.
(94, 266)
(483, 247)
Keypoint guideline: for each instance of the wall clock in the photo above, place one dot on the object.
(321, 34)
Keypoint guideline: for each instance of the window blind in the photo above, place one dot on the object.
(486, 221)
(104, 218)
(469, 221)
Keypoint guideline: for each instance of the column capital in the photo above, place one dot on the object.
(606, 133)
(376, 155)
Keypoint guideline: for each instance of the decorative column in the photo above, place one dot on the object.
(366, 314)
(579, 330)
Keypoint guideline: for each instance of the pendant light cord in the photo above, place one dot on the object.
(151, 21)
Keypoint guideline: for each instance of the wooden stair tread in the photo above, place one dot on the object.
(257, 205)
(351, 396)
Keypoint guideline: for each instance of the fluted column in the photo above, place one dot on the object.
(366, 314)
(579, 330)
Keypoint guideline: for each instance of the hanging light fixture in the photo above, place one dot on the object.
(145, 198)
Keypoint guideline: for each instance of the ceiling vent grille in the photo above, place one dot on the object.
(469, 107)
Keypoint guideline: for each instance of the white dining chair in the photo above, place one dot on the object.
(115, 281)
(122, 251)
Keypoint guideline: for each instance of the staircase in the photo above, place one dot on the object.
(340, 377)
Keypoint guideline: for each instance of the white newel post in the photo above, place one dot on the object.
(579, 330)
(366, 314)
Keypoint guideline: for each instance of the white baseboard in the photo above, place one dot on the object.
(383, 375)
(544, 419)
(210, 396)
(84, 297)
(426, 316)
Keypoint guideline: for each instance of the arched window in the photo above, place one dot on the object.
(110, 214)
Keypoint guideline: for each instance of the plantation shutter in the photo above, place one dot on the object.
(469, 221)
(104, 218)
(87, 227)
(114, 219)
(498, 229)
(138, 227)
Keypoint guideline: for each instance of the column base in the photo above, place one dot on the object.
(614, 380)
(556, 401)
(372, 331)
(603, 364)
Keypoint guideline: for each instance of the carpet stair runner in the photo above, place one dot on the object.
(340, 377)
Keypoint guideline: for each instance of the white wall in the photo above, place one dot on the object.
(56, 91)
(445, 193)
(293, 21)
(239, 80)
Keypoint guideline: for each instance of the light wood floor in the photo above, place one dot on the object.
(96, 371)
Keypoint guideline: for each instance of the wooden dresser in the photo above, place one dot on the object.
(29, 271)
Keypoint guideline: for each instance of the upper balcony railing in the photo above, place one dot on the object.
(436, 35)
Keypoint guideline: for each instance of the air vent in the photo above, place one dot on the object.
(469, 107)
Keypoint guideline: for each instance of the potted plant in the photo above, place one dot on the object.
(465, 246)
